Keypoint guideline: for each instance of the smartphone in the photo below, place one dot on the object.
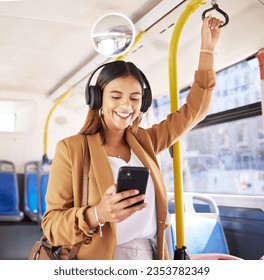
(132, 177)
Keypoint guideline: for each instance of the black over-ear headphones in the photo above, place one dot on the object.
(94, 94)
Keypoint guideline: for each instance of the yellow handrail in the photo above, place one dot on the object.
(59, 100)
(137, 39)
(174, 105)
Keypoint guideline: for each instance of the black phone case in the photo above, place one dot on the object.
(132, 177)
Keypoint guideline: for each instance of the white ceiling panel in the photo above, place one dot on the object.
(45, 45)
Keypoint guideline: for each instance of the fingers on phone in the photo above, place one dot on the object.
(126, 194)
(130, 201)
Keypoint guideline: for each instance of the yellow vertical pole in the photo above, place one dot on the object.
(174, 104)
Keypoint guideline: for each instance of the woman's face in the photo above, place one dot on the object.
(122, 98)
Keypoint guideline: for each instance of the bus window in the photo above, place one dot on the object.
(16, 115)
(231, 155)
(7, 121)
(236, 86)
(224, 153)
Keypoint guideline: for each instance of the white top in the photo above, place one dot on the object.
(142, 224)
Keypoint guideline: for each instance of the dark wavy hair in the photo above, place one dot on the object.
(113, 70)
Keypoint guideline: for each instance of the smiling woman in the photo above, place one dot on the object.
(117, 101)
(108, 82)
(121, 103)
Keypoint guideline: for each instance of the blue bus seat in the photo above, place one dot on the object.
(203, 230)
(9, 195)
(36, 181)
(43, 177)
(31, 190)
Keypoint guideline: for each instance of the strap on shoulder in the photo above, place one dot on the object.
(85, 172)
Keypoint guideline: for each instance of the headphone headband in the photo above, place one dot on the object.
(93, 94)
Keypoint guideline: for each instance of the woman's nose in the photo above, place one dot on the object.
(125, 102)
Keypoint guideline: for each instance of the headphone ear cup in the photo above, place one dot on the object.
(146, 100)
(94, 97)
(93, 94)
(87, 95)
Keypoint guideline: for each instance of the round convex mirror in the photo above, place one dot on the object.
(113, 34)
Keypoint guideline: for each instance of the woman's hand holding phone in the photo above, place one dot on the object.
(121, 201)
(116, 207)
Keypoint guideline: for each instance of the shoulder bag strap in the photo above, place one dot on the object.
(85, 172)
(74, 251)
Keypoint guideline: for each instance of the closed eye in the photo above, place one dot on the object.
(135, 98)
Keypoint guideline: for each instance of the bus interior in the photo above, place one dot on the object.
(47, 56)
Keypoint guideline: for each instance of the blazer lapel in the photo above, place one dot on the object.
(138, 150)
(161, 197)
(100, 164)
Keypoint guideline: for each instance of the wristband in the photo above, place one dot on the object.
(100, 225)
(208, 51)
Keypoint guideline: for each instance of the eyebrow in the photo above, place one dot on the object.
(117, 91)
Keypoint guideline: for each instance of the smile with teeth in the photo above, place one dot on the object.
(123, 115)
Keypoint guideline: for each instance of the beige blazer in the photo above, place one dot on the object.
(64, 224)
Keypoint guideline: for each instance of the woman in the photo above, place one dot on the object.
(120, 97)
